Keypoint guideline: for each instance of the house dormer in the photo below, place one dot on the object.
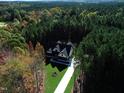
(57, 48)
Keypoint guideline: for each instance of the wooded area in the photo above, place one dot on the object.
(96, 29)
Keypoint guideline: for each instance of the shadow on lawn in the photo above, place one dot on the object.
(59, 66)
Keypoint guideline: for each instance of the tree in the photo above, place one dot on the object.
(101, 56)
(12, 78)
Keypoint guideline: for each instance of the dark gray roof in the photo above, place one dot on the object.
(49, 51)
(57, 48)
(62, 50)
(59, 42)
(63, 53)
(70, 43)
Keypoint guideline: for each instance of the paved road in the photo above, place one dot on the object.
(65, 80)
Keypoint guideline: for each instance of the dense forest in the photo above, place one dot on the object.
(97, 30)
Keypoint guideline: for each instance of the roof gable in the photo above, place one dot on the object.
(57, 48)
(50, 50)
(59, 42)
(70, 44)
(63, 53)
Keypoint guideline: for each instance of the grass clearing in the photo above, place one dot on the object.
(52, 82)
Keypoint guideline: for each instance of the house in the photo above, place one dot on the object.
(61, 53)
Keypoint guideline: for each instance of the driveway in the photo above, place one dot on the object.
(66, 78)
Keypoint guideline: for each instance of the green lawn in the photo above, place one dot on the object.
(52, 82)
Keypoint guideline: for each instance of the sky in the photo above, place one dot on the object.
(65, 0)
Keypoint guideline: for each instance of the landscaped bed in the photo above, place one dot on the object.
(52, 78)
